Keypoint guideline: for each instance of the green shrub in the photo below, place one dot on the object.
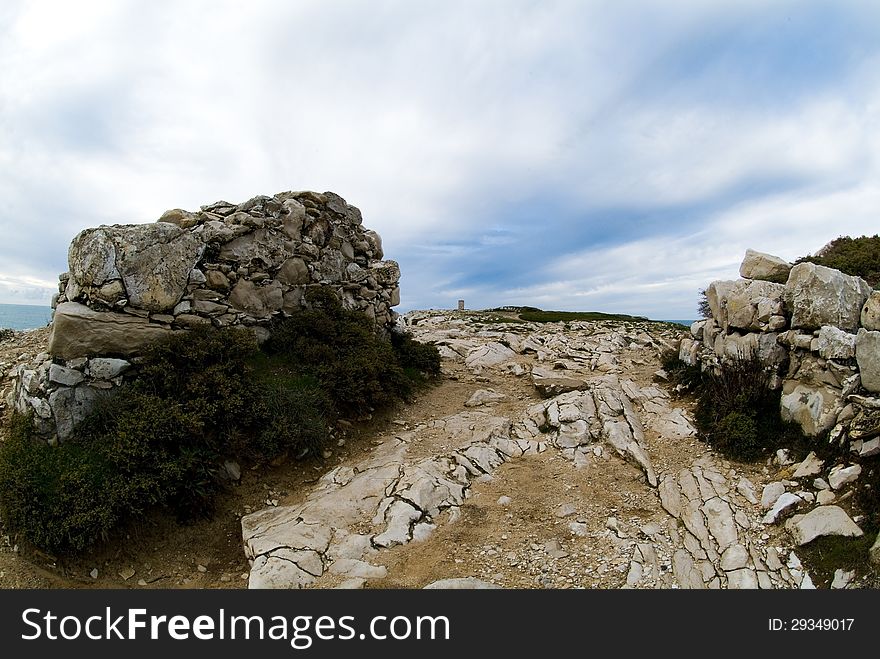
(680, 373)
(411, 354)
(339, 348)
(58, 498)
(738, 413)
(290, 414)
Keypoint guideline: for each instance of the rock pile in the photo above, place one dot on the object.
(817, 329)
(224, 265)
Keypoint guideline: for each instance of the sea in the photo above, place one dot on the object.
(24, 316)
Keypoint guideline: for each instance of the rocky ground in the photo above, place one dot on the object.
(550, 456)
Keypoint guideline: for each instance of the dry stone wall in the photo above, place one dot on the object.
(817, 328)
(224, 265)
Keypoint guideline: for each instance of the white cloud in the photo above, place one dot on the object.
(430, 116)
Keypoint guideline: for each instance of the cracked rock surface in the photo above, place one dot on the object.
(548, 457)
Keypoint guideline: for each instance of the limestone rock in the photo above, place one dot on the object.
(155, 261)
(69, 377)
(483, 396)
(870, 315)
(822, 296)
(834, 343)
(810, 466)
(78, 331)
(822, 521)
(748, 304)
(868, 359)
(782, 504)
(840, 475)
(492, 354)
(813, 407)
(258, 301)
(107, 368)
(758, 265)
(92, 257)
(771, 493)
(874, 552)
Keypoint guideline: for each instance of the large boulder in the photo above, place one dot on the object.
(834, 343)
(78, 331)
(868, 359)
(820, 296)
(814, 407)
(871, 312)
(153, 262)
(822, 521)
(745, 304)
(257, 301)
(766, 267)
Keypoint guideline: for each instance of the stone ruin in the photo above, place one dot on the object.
(817, 328)
(224, 265)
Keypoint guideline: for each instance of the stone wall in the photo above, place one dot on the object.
(816, 328)
(224, 265)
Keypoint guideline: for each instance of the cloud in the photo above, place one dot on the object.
(563, 154)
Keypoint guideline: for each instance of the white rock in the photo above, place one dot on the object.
(823, 296)
(783, 503)
(504, 501)
(870, 448)
(579, 529)
(783, 458)
(834, 343)
(744, 579)
(747, 489)
(821, 484)
(566, 510)
(822, 521)
(868, 359)
(810, 466)
(758, 265)
(770, 494)
(824, 497)
(841, 475)
(734, 558)
(358, 569)
(483, 396)
(842, 578)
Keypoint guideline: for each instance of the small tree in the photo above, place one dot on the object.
(703, 307)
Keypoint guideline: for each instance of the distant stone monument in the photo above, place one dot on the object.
(461, 305)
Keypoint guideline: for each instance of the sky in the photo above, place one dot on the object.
(606, 155)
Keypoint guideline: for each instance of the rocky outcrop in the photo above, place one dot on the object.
(806, 331)
(820, 296)
(224, 265)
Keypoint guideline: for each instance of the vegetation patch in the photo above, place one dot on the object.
(200, 397)
(538, 316)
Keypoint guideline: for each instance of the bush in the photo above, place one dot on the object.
(679, 372)
(59, 498)
(338, 348)
(290, 414)
(739, 414)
